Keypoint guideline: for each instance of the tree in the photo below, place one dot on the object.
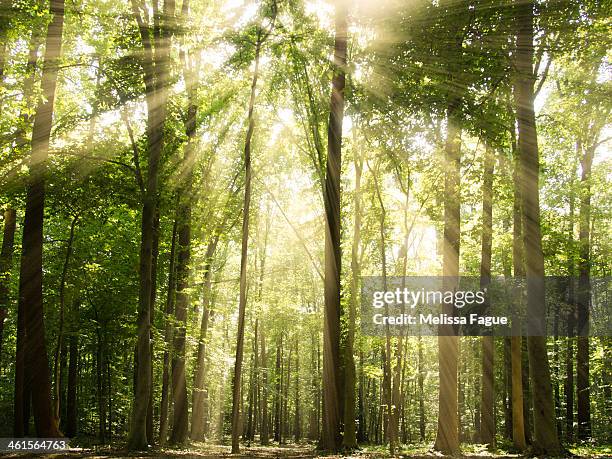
(545, 432)
(34, 349)
(156, 53)
(6, 260)
(332, 383)
(487, 413)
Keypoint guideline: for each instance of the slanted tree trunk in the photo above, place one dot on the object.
(155, 62)
(30, 280)
(487, 402)
(584, 298)
(545, 433)
(6, 263)
(333, 386)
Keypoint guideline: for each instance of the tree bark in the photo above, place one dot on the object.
(545, 433)
(168, 311)
(179, 382)
(6, 263)
(21, 414)
(30, 280)
(73, 369)
(236, 396)
(517, 401)
(350, 439)
(571, 325)
(584, 298)
(333, 386)
(447, 438)
(264, 434)
(198, 417)
(62, 304)
(487, 403)
(155, 66)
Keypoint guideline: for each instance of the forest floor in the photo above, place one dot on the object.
(299, 451)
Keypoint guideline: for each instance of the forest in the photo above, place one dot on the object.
(193, 194)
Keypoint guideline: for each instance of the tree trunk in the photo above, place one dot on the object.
(487, 403)
(545, 433)
(333, 387)
(278, 385)
(297, 428)
(421, 377)
(350, 439)
(169, 310)
(73, 369)
(198, 416)
(60, 338)
(180, 425)
(584, 299)
(6, 263)
(264, 434)
(571, 325)
(30, 281)
(236, 396)
(517, 401)
(447, 438)
(155, 65)
(155, 256)
(22, 397)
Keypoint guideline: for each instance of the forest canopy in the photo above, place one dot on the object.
(193, 192)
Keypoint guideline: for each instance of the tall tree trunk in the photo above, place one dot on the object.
(154, 259)
(350, 439)
(297, 429)
(155, 69)
(180, 425)
(22, 398)
(545, 433)
(447, 438)
(278, 385)
(168, 311)
(62, 304)
(73, 369)
(487, 403)
(390, 424)
(516, 388)
(6, 263)
(30, 280)
(584, 298)
(571, 325)
(264, 434)
(236, 395)
(421, 377)
(333, 387)
(199, 396)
